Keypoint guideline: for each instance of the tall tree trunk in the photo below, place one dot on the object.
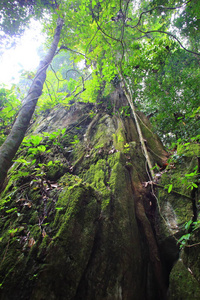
(13, 141)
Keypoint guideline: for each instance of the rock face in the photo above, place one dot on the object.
(79, 218)
(180, 209)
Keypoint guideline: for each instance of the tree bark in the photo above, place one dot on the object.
(14, 139)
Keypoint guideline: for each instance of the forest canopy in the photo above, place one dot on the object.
(153, 46)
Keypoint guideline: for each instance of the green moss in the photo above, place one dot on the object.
(189, 150)
(80, 208)
(154, 145)
(55, 171)
(103, 132)
(72, 243)
(35, 231)
(183, 285)
(97, 174)
(66, 205)
(182, 206)
(119, 138)
(34, 218)
(133, 146)
(191, 255)
(91, 226)
(98, 177)
(117, 178)
(116, 157)
(42, 249)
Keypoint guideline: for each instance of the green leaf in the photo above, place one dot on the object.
(63, 130)
(35, 140)
(195, 185)
(33, 161)
(170, 188)
(11, 210)
(188, 224)
(185, 237)
(23, 161)
(41, 148)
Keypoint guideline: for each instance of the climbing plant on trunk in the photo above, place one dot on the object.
(13, 141)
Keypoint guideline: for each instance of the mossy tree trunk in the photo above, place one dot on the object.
(99, 219)
(13, 141)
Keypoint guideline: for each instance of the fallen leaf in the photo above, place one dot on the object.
(31, 242)
(29, 204)
(22, 199)
(54, 185)
(145, 184)
(112, 151)
(43, 233)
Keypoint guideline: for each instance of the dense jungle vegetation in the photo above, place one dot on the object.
(152, 46)
(148, 48)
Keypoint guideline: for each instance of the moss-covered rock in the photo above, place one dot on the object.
(177, 205)
(180, 207)
(77, 234)
(189, 150)
(183, 284)
(70, 249)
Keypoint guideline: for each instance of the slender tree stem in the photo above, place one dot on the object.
(14, 139)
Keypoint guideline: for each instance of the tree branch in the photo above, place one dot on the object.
(157, 7)
(56, 74)
(170, 34)
(67, 48)
(109, 36)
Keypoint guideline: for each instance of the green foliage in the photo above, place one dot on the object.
(184, 239)
(190, 227)
(171, 97)
(169, 187)
(63, 83)
(126, 148)
(98, 43)
(33, 145)
(75, 140)
(33, 140)
(15, 14)
(36, 160)
(191, 180)
(55, 137)
(164, 77)
(189, 23)
(9, 106)
(125, 111)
